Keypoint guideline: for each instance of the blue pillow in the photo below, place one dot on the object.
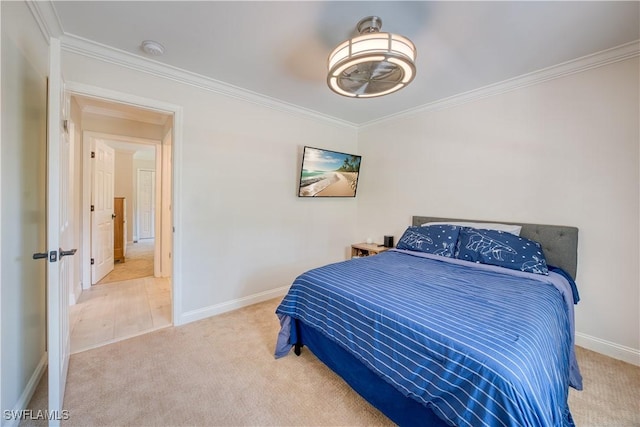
(501, 249)
(432, 239)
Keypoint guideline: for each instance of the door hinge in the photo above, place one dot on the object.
(93, 154)
(92, 261)
(65, 126)
(53, 256)
(93, 208)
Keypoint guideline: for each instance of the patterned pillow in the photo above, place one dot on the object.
(502, 249)
(509, 228)
(433, 239)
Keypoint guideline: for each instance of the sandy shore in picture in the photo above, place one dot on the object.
(344, 187)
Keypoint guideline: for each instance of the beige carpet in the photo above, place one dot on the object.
(138, 262)
(221, 372)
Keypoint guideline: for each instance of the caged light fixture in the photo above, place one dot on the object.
(373, 63)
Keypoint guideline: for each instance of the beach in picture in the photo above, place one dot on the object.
(328, 174)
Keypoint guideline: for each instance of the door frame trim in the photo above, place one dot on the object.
(87, 177)
(81, 89)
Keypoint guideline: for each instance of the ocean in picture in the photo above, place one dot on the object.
(328, 174)
(312, 182)
(328, 183)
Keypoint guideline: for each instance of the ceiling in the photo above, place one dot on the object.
(279, 50)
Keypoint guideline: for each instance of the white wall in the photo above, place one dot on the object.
(119, 126)
(561, 152)
(243, 231)
(124, 185)
(23, 191)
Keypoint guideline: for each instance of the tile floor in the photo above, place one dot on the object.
(115, 311)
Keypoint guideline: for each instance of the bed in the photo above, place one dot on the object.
(431, 338)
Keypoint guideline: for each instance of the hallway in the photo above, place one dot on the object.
(123, 304)
(138, 263)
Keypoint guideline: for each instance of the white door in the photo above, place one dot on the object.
(146, 203)
(103, 214)
(59, 235)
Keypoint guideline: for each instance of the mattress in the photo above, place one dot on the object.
(473, 344)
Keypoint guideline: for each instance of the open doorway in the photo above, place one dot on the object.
(125, 268)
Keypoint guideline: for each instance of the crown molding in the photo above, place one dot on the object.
(50, 25)
(598, 59)
(46, 17)
(88, 48)
(84, 47)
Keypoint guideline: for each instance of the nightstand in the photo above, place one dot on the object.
(365, 249)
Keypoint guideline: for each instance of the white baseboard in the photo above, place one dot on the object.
(617, 351)
(28, 391)
(203, 313)
(608, 348)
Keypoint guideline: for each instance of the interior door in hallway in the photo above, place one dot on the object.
(146, 203)
(102, 211)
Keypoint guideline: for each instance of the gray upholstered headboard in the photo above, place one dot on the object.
(559, 242)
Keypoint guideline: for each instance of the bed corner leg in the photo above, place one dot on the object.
(297, 349)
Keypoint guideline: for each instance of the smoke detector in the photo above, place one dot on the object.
(152, 47)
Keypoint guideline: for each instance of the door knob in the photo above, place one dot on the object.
(67, 253)
(113, 216)
(40, 255)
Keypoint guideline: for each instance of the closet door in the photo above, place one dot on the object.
(146, 203)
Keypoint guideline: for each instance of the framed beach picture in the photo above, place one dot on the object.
(327, 173)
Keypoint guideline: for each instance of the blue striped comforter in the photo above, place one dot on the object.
(479, 346)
